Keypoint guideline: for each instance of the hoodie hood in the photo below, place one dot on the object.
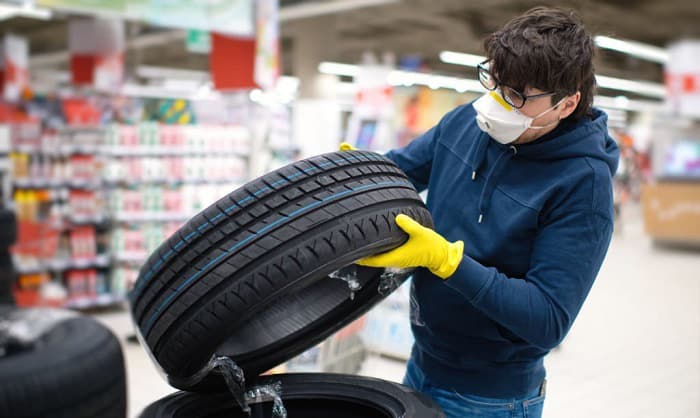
(582, 138)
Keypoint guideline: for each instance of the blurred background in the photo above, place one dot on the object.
(120, 119)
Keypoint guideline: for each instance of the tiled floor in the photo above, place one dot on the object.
(633, 352)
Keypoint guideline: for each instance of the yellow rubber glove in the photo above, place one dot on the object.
(424, 248)
(344, 146)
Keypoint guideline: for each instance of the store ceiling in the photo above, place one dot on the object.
(406, 27)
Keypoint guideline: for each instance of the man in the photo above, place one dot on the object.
(519, 186)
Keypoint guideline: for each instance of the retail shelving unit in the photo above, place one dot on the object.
(158, 176)
(58, 197)
(132, 185)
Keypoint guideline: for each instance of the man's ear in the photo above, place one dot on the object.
(569, 105)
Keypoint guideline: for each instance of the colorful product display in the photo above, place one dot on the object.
(155, 139)
(131, 242)
(164, 203)
(170, 169)
(93, 203)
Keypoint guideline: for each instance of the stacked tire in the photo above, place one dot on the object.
(73, 368)
(8, 236)
(311, 395)
(266, 273)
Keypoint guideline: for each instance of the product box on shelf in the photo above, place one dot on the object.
(82, 284)
(83, 242)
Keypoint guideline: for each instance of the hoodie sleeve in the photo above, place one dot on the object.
(541, 307)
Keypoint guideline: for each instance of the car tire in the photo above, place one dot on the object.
(248, 278)
(8, 228)
(8, 276)
(313, 395)
(75, 369)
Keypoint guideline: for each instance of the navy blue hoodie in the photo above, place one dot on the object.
(536, 221)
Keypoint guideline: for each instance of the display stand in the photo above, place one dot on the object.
(671, 204)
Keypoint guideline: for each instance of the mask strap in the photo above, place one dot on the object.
(544, 113)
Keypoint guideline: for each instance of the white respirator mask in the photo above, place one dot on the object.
(503, 122)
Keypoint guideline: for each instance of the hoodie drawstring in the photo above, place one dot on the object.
(492, 179)
(479, 155)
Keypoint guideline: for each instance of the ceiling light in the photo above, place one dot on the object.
(407, 78)
(7, 12)
(459, 58)
(643, 88)
(336, 68)
(636, 49)
(621, 103)
(287, 84)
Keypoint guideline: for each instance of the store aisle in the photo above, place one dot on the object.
(634, 351)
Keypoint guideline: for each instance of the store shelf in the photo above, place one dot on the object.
(154, 149)
(151, 216)
(81, 129)
(174, 182)
(45, 183)
(678, 179)
(94, 302)
(100, 261)
(121, 151)
(58, 151)
(132, 257)
(87, 220)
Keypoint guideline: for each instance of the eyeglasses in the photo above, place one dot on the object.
(510, 95)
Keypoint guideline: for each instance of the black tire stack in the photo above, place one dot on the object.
(310, 395)
(75, 369)
(256, 277)
(8, 236)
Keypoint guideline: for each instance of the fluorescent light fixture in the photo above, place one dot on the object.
(336, 68)
(345, 87)
(642, 88)
(434, 81)
(287, 84)
(408, 78)
(283, 93)
(460, 58)
(178, 78)
(635, 49)
(271, 98)
(26, 10)
(623, 103)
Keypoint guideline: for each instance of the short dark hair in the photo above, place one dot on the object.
(548, 49)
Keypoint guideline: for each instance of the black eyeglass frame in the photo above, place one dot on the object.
(481, 68)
